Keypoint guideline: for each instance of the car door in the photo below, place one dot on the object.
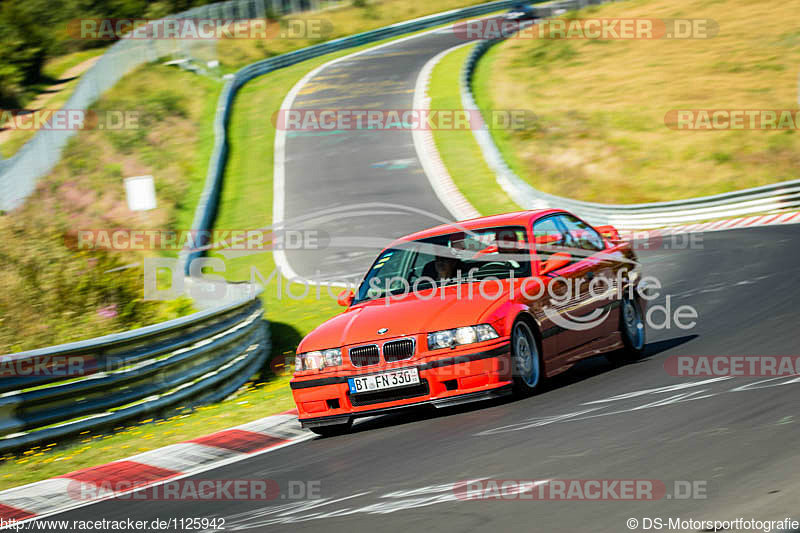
(558, 304)
(598, 272)
(571, 315)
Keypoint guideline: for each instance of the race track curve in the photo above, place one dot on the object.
(737, 437)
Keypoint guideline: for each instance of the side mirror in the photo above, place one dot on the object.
(609, 232)
(345, 298)
(556, 261)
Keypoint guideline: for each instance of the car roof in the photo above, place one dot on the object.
(517, 218)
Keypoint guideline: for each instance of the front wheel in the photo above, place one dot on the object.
(333, 429)
(527, 362)
(632, 327)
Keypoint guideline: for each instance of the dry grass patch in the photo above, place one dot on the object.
(601, 105)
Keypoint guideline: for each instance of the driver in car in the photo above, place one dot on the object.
(443, 267)
(446, 266)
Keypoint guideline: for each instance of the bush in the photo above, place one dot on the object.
(55, 293)
(31, 31)
(68, 295)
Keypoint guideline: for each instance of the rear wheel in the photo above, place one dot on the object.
(526, 358)
(333, 429)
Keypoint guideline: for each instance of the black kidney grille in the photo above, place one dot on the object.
(398, 350)
(364, 355)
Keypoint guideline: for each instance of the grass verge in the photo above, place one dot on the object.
(601, 134)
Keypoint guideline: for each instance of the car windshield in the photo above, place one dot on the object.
(465, 256)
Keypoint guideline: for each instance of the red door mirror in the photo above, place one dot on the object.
(609, 232)
(556, 261)
(346, 298)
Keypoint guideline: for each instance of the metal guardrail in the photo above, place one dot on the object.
(19, 173)
(63, 390)
(209, 199)
(772, 198)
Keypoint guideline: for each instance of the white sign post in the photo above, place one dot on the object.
(141, 193)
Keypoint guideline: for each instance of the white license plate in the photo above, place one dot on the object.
(384, 380)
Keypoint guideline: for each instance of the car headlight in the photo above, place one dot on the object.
(318, 360)
(450, 338)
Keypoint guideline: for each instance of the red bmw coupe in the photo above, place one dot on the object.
(469, 311)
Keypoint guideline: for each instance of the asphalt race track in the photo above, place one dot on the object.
(343, 169)
(736, 437)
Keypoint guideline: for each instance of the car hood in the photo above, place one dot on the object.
(409, 316)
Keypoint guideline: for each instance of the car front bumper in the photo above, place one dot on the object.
(448, 379)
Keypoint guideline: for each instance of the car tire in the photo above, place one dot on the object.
(633, 331)
(333, 430)
(526, 359)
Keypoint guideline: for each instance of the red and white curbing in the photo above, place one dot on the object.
(425, 146)
(152, 468)
(718, 225)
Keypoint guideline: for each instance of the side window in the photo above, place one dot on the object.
(548, 238)
(580, 235)
(417, 267)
